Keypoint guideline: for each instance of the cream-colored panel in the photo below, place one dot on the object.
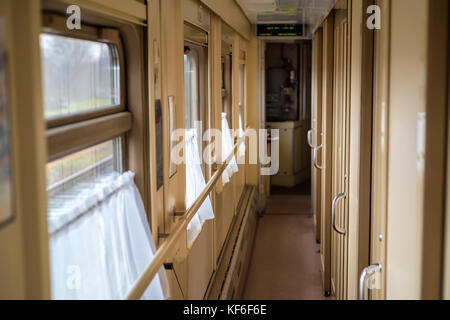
(252, 106)
(173, 85)
(24, 252)
(229, 12)
(129, 10)
(172, 59)
(200, 263)
(196, 13)
(154, 80)
(406, 131)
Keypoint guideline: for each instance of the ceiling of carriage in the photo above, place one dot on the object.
(308, 12)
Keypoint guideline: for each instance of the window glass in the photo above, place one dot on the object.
(72, 175)
(227, 87)
(191, 82)
(78, 75)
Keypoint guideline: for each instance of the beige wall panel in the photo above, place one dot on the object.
(406, 131)
(239, 46)
(154, 63)
(237, 191)
(253, 65)
(215, 50)
(173, 85)
(197, 14)
(172, 59)
(129, 10)
(24, 267)
(200, 263)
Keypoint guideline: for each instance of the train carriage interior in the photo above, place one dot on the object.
(250, 150)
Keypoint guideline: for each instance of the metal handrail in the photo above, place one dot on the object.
(169, 245)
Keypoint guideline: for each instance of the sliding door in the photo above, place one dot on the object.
(339, 217)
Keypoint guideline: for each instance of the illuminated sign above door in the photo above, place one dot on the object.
(280, 30)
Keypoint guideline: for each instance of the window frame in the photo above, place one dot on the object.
(72, 133)
(227, 89)
(201, 47)
(195, 111)
(54, 24)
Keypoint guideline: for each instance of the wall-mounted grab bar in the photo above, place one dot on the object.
(366, 273)
(333, 213)
(315, 157)
(310, 132)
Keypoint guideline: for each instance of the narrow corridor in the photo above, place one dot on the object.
(286, 260)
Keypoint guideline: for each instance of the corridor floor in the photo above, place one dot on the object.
(285, 263)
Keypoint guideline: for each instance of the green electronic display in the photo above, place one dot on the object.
(280, 30)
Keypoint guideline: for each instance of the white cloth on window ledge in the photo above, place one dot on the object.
(195, 184)
(241, 148)
(100, 243)
(227, 148)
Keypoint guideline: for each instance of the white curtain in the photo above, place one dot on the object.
(195, 183)
(100, 243)
(241, 152)
(227, 147)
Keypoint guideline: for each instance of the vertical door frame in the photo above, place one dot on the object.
(435, 156)
(380, 146)
(348, 79)
(317, 127)
(336, 135)
(360, 157)
(327, 128)
(263, 181)
(446, 249)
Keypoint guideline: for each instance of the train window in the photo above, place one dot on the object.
(191, 84)
(195, 91)
(227, 87)
(78, 75)
(77, 171)
(93, 202)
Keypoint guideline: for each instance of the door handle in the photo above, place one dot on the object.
(310, 132)
(315, 157)
(365, 274)
(333, 213)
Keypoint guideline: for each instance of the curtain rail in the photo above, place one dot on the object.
(168, 246)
